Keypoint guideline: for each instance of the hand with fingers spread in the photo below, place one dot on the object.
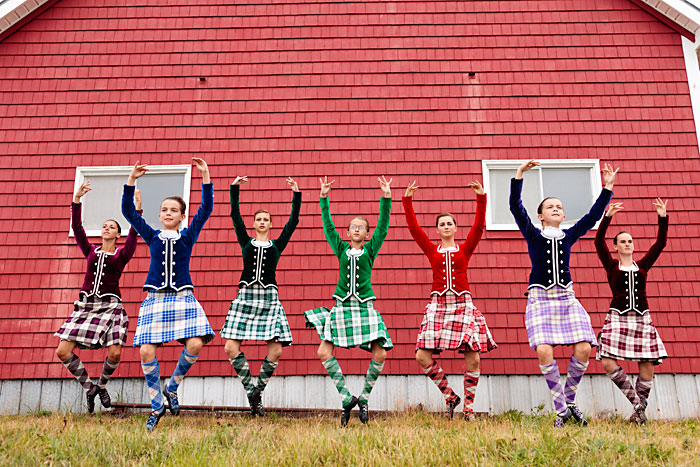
(525, 167)
(81, 191)
(476, 186)
(613, 209)
(292, 184)
(137, 198)
(240, 180)
(609, 176)
(203, 169)
(660, 206)
(384, 185)
(411, 188)
(138, 171)
(325, 186)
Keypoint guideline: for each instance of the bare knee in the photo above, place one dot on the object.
(232, 348)
(324, 352)
(609, 364)
(424, 358)
(582, 351)
(114, 354)
(63, 354)
(545, 354)
(147, 353)
(379, 354)
(471, 360)
(274, 353)
(194, 345)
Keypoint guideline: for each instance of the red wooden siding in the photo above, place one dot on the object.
(352, 90)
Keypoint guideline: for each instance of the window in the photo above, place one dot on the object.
(577, 183)
(105, 200)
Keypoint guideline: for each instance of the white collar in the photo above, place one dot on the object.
(449, 249)
(552, 232)
(256, 242)
(100, 250)
(355, 251)
(169, 234)
(632, 268)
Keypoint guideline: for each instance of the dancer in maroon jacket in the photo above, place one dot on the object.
(451, 321)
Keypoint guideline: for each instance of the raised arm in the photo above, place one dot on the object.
(661, 237)
(477, 229)
(414, 228)
(332, 236)
(207, 206)
(516, 205)
(77, 219)
(380, 233)
(601, 247)
(588, 221)
(132, 238)
(238, 223)
(291, 224)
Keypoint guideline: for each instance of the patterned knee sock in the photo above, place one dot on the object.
(184, 363)
(471, 379)
(622, 381)
(336, 374)
(551, 375)
(107, 370)
(266, 370)
(643, 387)
(240, 364)
(151, 370)
(75, 366)
(372, 374)
(573, 378)
(434, 372)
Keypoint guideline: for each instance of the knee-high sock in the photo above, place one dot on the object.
(240, 364)
(336, 374)
(107, 369)
(184, 363)
(573, 378)
(75, 366)
(622, 381)
(373, 373)
(471, 379)
(551, 375)
(643, 387)
(266, 370)
(151, 370)
(434, 372)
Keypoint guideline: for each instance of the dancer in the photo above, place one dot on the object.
(256, 313)
(353, 321)
(451, 321)
(170, 311)
(554, 316)
(98, 319)
(628, 332)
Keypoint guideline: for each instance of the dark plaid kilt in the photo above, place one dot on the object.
(630, 336)
(96, 323)
(257, 314)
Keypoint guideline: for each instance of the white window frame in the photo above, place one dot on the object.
(592, 164)
(692, 67)
(85, 172)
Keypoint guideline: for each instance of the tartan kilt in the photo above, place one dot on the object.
(556, 317)
(257, 314)
(349, 324)
(452, 322)
(169, 316)
(630, 336)
(96, 323)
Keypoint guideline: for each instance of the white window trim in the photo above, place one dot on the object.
(690, 52)
(592, 164)
(81, 173)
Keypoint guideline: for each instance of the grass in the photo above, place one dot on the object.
(415, 438)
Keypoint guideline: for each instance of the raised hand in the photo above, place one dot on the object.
(138, 171)
(384, 185)
(81, 191)
(609, 176)
(660, 206)
(137, 198)
(411, 188)
(292, 184)
(614, 208)
(240, 180)
(525, 167)
(476, 186)
(325, 186)
(203, 169)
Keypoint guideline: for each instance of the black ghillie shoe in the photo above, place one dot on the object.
(155, 417)
(562, 419)
(345, 414)
(259, 410)
(105, 400)
(452, 404)
(469, 415)
(364, 411)
(91, 394)
(173, 403)
(577, 415)
(639, 416)
(255, 402)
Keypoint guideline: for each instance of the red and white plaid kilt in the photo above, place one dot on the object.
(630, 336)
(96, 323)
(452, 322)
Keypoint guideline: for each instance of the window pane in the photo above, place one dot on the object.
(572, 186)
(104, 201)
(154, 189)
(500, 192)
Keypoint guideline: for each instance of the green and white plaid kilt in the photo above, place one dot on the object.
(257, 314)
(349, 324)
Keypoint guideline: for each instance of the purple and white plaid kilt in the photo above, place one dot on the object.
(96, 323)
(169, 316)
(556, 317)
(452, 322)
(630, 336)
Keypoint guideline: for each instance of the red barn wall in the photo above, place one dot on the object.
(351, 90)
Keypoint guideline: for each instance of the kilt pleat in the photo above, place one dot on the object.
(630, 336)
(96, 323)
(257, 314)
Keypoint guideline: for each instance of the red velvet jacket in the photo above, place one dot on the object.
(449, 267)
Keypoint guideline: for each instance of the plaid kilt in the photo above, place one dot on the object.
(169, 316)
(556, 317)
(452, 322)
(257, 314)
(630, 336)
(349, 324)
(96, 323)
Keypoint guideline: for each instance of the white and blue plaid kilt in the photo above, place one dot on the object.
(556, 317)
(257, 314)
(169, 316)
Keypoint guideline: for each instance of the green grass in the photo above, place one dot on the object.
(415, 438)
